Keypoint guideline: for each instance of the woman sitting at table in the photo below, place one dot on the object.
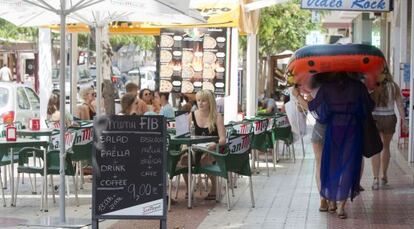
(129, 104)
(207, 122)
(87, 110)
(53, 113)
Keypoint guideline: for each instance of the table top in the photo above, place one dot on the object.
(23, 142)
(193, 139)
(35, 133)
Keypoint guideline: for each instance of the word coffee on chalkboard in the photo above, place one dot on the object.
(129, 167)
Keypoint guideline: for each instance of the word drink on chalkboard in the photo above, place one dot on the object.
(129, 167)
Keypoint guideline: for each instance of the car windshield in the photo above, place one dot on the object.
(147, 75)
(82, 74)
(56, 73)
(4, 96)
(116, 71)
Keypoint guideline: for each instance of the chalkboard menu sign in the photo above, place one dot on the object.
(129, 167)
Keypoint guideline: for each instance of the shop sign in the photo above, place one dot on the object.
(191, 60)
(349, 5)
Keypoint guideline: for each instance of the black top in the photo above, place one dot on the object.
(92, 114)
(203, 131)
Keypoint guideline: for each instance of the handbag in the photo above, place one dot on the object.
(372, 143)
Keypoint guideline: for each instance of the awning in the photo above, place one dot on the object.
(224, 13)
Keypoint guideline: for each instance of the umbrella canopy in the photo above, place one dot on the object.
(314, 59)
(24, 12)
(92, 12)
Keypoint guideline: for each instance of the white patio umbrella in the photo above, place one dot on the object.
(96, 13)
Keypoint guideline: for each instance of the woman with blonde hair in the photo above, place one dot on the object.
(87, 110)
(385, 96)
(207, 122)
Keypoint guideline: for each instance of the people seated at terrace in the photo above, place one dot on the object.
(87, 110)
(207, 122)
(133, 88)
(129, 104)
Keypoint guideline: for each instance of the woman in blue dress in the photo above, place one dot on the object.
(341, 103)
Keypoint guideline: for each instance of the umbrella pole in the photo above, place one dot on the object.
(62, 216)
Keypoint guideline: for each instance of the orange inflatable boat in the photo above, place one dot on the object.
(311, 60)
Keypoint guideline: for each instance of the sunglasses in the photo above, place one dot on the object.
(93, 94)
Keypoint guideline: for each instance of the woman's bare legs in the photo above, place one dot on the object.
(385, 156)
(317, 150)
(381, 160)
(205, 160)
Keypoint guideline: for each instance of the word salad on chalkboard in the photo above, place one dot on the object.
(129, 167)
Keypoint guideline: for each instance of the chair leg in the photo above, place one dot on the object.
(52, 189)
(274, 157)
(228, 195)
(251, 191)
(230, 176)
(235, 176)
(5, 177)
(257, 159)
(267, 161)
(303, 146)
(177, 186)
(16, 191)
(67, 187)
(252, 154)
(2, 191)
(218, 189)
(293, 151)
(82, 178)
(169, 194)
(200, 183)
(206, 183)
(75, 183)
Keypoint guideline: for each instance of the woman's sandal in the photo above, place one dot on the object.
(210, 197)
(324, 205)
(341, 213)
(384, 180)
(332, 207)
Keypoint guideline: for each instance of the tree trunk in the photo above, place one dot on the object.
(108, 89)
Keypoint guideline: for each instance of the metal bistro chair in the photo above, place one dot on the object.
(5, 159)
(283, 132)
(52, 163)
(235, 158)
(173, 158)
(82, 151)
(260, 141)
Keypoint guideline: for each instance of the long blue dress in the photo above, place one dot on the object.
(342, 105)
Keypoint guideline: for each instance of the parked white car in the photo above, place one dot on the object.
(143, 76)
(18, 102)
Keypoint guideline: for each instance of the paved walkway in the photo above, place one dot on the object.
(288, 198)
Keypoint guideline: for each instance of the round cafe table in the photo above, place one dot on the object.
(20, 143)
(189, 141)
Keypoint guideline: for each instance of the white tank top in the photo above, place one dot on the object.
(389, 109)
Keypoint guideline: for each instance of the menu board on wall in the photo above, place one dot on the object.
(129, 167)
(194, 59)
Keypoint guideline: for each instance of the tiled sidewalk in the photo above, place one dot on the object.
(289, 199)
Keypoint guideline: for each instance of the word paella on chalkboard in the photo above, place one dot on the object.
(129, 167)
